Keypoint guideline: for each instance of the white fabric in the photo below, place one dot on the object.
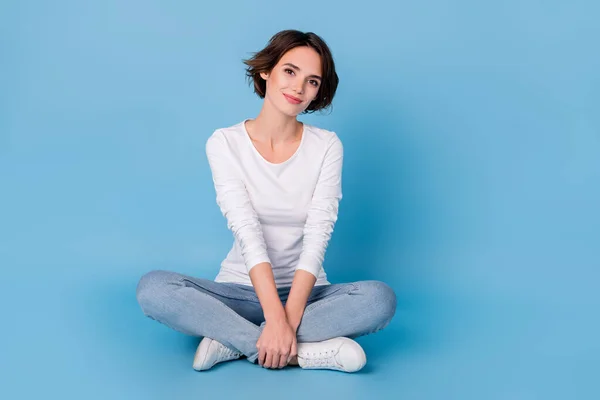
(282, 213)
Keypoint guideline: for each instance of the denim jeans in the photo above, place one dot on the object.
(231, 313)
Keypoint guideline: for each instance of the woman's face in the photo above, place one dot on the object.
(294, 82)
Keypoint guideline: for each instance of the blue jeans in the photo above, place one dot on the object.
(231, 313)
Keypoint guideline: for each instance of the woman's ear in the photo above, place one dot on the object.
(264, 75)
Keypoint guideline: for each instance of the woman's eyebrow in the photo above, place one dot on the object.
(296, 68)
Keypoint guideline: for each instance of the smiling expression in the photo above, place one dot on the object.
(294, 81)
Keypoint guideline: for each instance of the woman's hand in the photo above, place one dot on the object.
(277, 344)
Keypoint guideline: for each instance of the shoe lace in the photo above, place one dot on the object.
(226, 352)
(324, 358)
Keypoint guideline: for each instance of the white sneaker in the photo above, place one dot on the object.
(340, 354)
(211, 352)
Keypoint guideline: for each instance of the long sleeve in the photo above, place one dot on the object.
(234, 202)
(323, 210)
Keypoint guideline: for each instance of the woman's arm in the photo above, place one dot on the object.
(277, 341)
(296, 302)
(234, 202)
(266, 290)
(321, 218)
(242, 220)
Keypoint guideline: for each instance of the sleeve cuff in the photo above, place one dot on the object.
(254, 261)
(311, 268)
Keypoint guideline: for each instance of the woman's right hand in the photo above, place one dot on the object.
(277, 344)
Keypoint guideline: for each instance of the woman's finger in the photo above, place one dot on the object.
(261, 356)
(283, 360)
(268, 359)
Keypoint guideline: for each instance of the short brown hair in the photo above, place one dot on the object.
(282, 42)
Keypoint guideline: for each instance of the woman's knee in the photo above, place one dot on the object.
(151, 288)
(381, 299)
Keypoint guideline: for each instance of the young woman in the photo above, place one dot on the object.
(278, 184)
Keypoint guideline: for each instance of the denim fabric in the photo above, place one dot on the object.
(231, 313)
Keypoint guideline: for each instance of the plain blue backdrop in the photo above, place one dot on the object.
(471, 185)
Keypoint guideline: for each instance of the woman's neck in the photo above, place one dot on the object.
(275, 127)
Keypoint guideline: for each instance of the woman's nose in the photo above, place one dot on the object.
(298, 88)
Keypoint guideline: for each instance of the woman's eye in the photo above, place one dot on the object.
(314, 83)
(288, 71)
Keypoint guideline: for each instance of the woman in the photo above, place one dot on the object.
(278, 184)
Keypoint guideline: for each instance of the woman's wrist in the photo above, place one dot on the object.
(294, 316)
(276, 312)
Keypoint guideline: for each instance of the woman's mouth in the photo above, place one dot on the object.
(292, 99)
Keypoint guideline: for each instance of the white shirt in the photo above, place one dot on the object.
(282, 213)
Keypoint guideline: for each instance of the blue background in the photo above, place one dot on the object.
(471, 186)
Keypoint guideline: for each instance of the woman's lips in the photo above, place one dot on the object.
(292, 99)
